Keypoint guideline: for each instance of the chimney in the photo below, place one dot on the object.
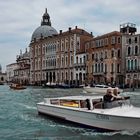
(69, 29)
(60, 32)
(91, 33)
(75, 27)
(82, 31)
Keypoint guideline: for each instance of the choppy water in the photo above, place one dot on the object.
(19, 119)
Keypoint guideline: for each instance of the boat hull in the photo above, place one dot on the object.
(90, 118)
(97, 90)
(17, 88)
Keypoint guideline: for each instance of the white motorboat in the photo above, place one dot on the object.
(98, 89)
(90, 111)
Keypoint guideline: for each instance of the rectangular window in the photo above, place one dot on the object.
(113, 40)
(135, 39)
(106, 41)
(92, 56)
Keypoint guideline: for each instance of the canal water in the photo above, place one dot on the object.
(19, 119)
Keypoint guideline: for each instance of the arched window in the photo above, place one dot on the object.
(105, 54)
(118, 68)
(98, 67)
(136, 50)
(112, 67)
(66, 76)
(105, 67)
(102, 67)
(129, 50)
(135, 64)
(119, 53)
(101, 55)
(2, 79)
(62, 61)
(84, 76)
(76, 76)
(119, 40)
(84, 59)
(77, 59)
(129, 40)
(55, 62)
(95, 67)
(128, 64)
(97, 56)
(132, 65)
(71, 76)
(112, 53)
(136, 40)
(62, 76)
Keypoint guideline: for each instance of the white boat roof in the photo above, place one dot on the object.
(78, 97)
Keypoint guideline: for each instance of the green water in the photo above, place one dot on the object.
(19, 119)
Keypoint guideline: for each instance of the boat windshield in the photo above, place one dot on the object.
(64, 102)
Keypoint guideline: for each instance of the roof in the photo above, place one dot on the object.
(76, 31)
(79, 97)
(43, 31)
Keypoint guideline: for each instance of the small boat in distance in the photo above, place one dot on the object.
(98, 89)
(17, 86)
(90, 111)
(50, 85)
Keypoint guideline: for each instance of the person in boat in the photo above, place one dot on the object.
(116, 93)
(88, 104)
(111, 96)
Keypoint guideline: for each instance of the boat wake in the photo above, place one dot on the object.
(27, 106)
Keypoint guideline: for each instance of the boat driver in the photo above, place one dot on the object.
(109, 97)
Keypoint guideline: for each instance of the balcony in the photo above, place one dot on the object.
(135, 70)
(98, 73)
(79, 64)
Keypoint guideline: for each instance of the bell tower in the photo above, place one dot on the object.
(128, 28)
(46, 19)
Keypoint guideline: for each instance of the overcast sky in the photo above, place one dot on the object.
(19, 18)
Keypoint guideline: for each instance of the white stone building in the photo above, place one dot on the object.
(10, 71)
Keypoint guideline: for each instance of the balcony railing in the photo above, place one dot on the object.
(98, 73)
(136, 69)
(79, 64)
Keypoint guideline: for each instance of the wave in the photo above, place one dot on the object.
(27, 106)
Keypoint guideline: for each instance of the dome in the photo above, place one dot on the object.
(43, 31)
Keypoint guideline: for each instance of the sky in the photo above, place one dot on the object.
(19, 19)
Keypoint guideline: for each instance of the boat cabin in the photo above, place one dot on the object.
(85, 102)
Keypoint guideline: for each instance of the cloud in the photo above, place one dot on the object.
(20, 18)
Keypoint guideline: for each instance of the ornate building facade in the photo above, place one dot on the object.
(3, 77)
(103, 64)
(53, 55)
(10, 69)
(42, 51)
(131, 55)
(70, 44)
(75, 57)
(22, 72)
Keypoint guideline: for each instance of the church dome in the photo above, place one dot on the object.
(45, 29)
